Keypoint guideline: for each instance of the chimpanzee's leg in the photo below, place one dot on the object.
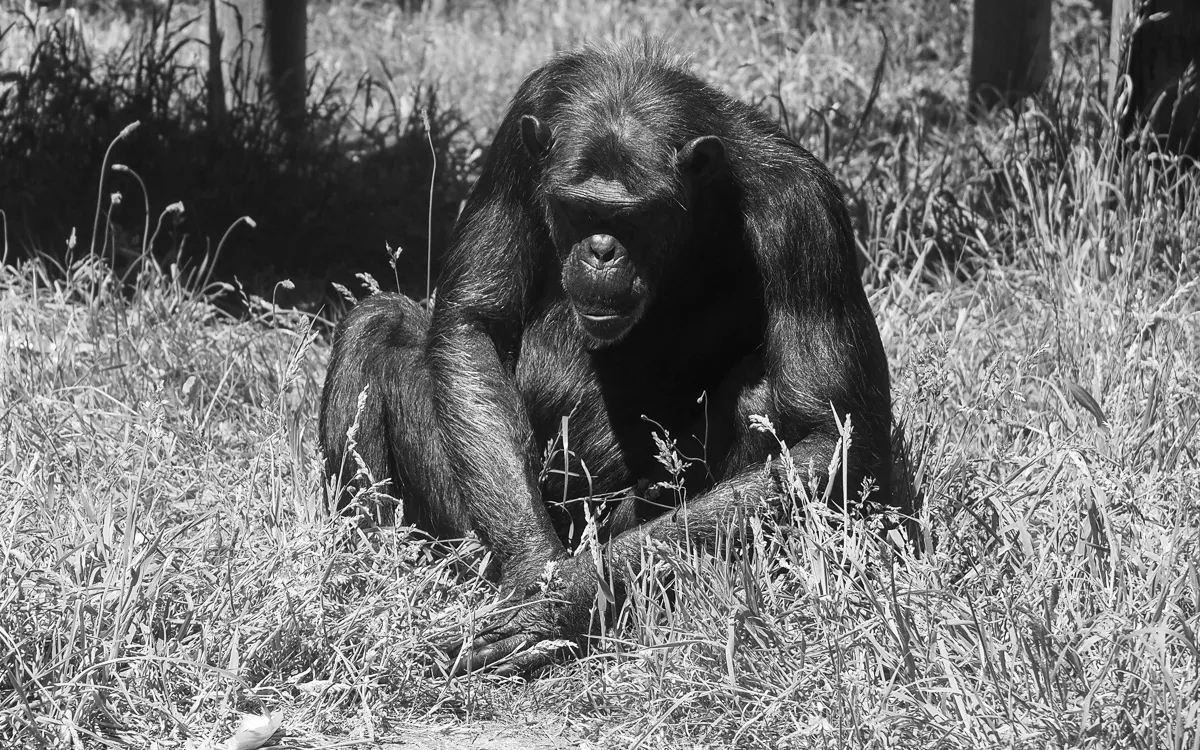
(379, 348)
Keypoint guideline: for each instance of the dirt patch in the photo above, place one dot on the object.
(481, 736)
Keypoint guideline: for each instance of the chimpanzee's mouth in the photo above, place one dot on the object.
(605, 326)
(600, 319)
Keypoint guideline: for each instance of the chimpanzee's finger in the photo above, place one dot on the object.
(483, 655)
(539, 655)
(450, 647)
(502, 626)
(457, 647)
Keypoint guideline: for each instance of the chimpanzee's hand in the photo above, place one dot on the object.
(535, 627)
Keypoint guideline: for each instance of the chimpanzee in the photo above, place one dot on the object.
(644, 262)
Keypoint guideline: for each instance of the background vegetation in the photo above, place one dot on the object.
(166, 562)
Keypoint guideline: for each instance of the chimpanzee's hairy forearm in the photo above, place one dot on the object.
(486, 435)
(703, 520)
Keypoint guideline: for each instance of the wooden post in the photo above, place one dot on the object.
(285, 25)
(239, 34)
(256, 39)
(218, 113)
(1010, 55)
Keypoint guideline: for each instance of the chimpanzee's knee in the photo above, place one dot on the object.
(376, 380)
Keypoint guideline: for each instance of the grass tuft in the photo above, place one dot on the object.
(166, 560)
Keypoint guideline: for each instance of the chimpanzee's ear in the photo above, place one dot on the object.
(536, 136)
(703, 158)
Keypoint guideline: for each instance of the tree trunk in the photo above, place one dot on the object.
(258, 42)
(1010, 56)
(1157, 43)
(286, 24)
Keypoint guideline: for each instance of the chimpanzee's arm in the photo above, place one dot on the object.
(485, 433)
(822, 352)
(484, 298)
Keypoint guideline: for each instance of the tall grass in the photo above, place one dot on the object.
(324, 206)
(167, 562)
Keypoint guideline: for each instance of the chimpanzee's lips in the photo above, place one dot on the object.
(600, 318)
(605, 325)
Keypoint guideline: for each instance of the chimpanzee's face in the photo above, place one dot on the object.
(612, 254)
(616, 226)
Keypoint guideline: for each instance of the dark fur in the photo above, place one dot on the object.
(755, 307)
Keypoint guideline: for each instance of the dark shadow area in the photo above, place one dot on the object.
(324, 208)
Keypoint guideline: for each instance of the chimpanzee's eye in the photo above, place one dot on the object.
(577, 215)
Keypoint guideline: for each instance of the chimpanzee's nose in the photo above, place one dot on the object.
(603, 247)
